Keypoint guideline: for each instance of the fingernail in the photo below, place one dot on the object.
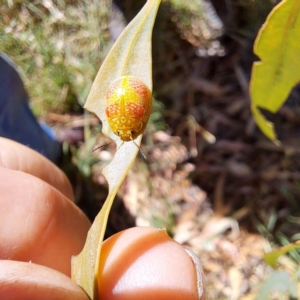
(199, 273)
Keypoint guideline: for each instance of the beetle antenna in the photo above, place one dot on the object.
(120, 146)
(99, 147)
(141, 151)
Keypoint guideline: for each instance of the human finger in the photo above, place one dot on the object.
(38, 223)
(145, 263)
(20, 280)
(19, 157)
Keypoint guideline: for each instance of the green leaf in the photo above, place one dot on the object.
(272, 257)
(278, 47)
(130, 55)
(278, 281)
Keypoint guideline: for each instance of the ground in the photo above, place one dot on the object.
(217, 184)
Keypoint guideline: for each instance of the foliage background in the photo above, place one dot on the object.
(211, 178)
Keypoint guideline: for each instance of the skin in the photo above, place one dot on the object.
(41, 228)
(145, 263)
(37, 220)
(17, 157)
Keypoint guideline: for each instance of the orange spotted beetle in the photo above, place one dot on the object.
(128, 106)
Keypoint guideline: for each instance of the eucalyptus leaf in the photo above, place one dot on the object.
(130, 55)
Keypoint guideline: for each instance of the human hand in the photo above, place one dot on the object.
(41, 229)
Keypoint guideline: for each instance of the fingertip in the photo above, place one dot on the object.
(145, 263)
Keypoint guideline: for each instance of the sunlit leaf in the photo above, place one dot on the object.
(278, 47)
(130, 55)
(272, 257)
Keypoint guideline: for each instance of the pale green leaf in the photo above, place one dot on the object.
(130, 55)
(278, 47)
(279, 281)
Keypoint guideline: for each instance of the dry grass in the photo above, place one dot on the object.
(58, 48)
